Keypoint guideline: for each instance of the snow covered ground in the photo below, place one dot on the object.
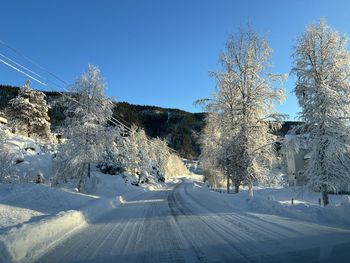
(278, 201)
(26, 201)
(185, 222)
(33, 217)
(23, 203)
(180, 221)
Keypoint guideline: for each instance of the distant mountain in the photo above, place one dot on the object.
(180, 128)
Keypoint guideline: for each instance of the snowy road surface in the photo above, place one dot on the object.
(180, 224)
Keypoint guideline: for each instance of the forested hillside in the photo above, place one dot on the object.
(180, 128)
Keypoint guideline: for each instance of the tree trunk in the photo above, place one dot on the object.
(139, 180)
(81, 183)
(250, 191)
(236, 188)
(228, 184)
(325, 197)
(89, 171)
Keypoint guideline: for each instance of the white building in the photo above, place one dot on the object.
(296, 155)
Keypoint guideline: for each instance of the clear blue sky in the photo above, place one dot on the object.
(155, 52)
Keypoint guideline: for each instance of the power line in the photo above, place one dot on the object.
(113, 120)
(22, 72)
(2, 55)
(31, 61)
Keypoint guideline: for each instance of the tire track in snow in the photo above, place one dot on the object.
(252, 231)
(211, 232)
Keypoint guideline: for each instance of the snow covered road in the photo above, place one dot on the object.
(182, 224)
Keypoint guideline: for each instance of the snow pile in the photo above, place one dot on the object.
(11, 215)
(17, 244)
(32, 158)
(331, 214)
(21, 203)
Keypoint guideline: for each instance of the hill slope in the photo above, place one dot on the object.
(180, 128)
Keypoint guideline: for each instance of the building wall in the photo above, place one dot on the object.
(296, 164)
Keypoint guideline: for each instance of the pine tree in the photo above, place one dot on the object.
(322, 68)
(29, 113)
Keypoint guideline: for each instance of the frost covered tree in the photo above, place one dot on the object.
(322, 68)
(159, 154)
(144, 155)
(7, 174)
(210, 142)
(132, 151)
(243, 103)
(115, 158)
(29, 112)
(138, 153)
(175, 166)
(86, 131)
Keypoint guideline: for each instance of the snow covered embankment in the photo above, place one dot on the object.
(269, 201)
(30, 240)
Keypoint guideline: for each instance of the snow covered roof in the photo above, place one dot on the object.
(298, 141)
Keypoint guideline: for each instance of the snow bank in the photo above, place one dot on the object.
(23, 203)
(332, 214)
(62, 211)
(278, 202)
(12, 215)
(18, 244)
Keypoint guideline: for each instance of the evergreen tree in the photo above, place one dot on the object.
(29, 113)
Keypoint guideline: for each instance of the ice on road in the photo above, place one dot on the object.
(179, 224)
